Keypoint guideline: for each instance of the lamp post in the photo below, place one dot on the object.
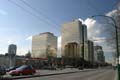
(117, 46)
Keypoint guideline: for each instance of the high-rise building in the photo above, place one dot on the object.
(12, 49)
(12, 53)
(90, 51)
(72, 39)
(100, 54)
(44, 45)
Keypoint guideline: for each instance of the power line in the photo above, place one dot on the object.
(34, 9)
(92, 5)
(103, 39)
(36, 16)
(40, 13)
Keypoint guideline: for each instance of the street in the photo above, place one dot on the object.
(99, 74)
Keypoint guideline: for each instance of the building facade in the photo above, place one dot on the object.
(12, 49)
(100, 54)
(90, 51)
(12, 54)
(72, 39)
(44, 45)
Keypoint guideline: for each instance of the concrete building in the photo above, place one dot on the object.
(72, 39)
(95, 56)
(12, 49)
(90, 51)
(44, 45)
(12, 53)
(100, 54)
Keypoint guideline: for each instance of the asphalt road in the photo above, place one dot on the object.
(100, 74)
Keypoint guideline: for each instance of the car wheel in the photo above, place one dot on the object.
(32, 73)
(12, 75)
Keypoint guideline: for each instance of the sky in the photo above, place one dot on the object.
(21, 19)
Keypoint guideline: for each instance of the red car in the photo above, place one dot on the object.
(23, 70)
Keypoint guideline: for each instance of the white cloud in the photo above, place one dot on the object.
(2, 12)
(23, 45)
(81, 20)
(59, 41)
(29, 38)
(22, 50)
(111, 13)
(98, 40)
(6, 41)
(94, 30)
(90, 23)
(59, 47)
(9, 42)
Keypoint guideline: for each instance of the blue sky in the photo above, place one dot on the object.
(17, 24)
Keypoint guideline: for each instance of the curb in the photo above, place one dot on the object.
(42, 75)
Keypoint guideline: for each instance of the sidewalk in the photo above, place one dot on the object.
(41, 72)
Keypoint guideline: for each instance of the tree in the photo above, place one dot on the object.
(28, 55)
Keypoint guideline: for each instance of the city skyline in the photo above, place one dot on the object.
(19, 30)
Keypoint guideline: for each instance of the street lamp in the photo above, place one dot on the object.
(117, 46)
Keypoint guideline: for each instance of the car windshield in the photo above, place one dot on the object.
(12, 67)
(21, 67)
